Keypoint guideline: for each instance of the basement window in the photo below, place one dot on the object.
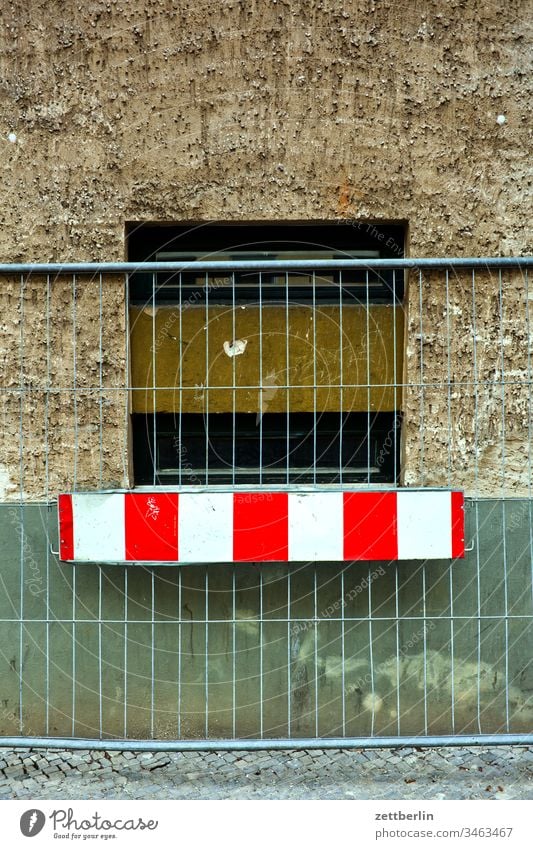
(266, 377)
(227, 450)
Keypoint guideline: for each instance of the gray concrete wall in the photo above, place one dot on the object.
(465, 601)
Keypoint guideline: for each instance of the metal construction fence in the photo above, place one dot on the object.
(257, 378)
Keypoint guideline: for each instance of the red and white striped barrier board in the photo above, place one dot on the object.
(222, 527)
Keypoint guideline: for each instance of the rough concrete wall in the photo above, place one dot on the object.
(62, 371)
(468, 400)
(173, 111)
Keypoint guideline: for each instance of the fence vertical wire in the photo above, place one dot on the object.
(47, 496)
(21, 514)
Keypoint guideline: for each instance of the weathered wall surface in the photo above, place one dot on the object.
(162, 110)
(468, 407)
(154, 110)
(65, 404)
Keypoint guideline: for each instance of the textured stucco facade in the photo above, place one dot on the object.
(161, 111)
(263, 110)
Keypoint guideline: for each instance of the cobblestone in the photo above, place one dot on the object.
(445, 773)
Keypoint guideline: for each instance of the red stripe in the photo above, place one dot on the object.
(151, 526)
(458, 524)
(66, 528)
(260, 526)
(370, 526)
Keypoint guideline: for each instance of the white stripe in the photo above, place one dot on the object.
(99, 527)
(205, 532)
(316, 526)
(424, 525)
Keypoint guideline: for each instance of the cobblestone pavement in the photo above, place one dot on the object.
(405, 773)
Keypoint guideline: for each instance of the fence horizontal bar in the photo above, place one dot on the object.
(361, 487)
(310, 620)
(265, 265)
(239, 387)
(257, 488)
(114, 745)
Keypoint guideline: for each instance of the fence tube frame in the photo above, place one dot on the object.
(265, 265)
(243, 744)
(254, 745)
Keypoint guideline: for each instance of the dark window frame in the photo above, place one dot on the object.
(374, 437)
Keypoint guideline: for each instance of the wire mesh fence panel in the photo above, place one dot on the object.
(258, 384)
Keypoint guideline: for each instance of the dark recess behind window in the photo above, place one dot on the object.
(266, 241)
(265, 444)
